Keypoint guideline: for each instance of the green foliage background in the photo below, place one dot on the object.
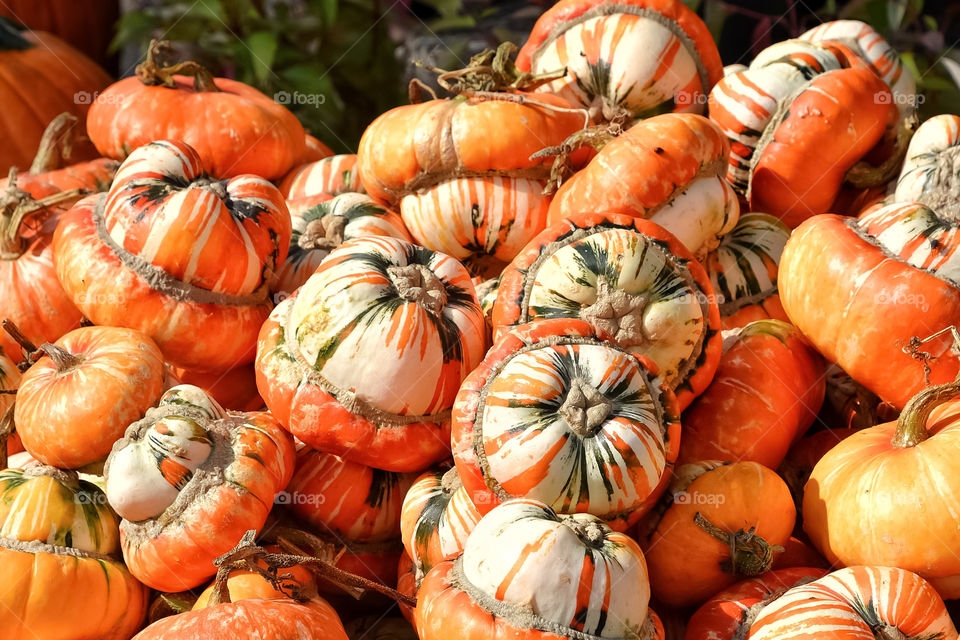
(355, 56)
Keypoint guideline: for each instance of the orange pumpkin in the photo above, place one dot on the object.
(315, 150)
(857, 603)
(529, 574)
(78, 399)
(556, 414)
(797, 553)
(804, 455)
(766, 394)
(234, 389)
(175, 254)
(404, 314)
(632, 281)
(190, 480)
(729, 614)
(668, 169)
(435, 520)
(624, 57)
(234, 128)
(346, 499)
(890, 485)
(43, 77)
(730, 522)
(58, 542)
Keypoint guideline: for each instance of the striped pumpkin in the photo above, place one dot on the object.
(374, 382)
(728, 523)
(235, 129)
(556, 414)
(856, 603)
(767, 392)
(743, 270)
(929, 173)
(79, 398)
(322, 227)
(460, 173)
(58, 539)
(668, 169)
(174, 253)
(860, 290)
(436, 518)
(347, 499)
(189, 480)
(730, 613)
(893, 486)
(875, 51)
(632, 281)
(800, 105)
(636, 58)
(529, 574)
(331, 176)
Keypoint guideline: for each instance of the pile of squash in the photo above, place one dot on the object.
(611, 342)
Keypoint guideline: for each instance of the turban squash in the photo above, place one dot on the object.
(632, 281)
(624, 57)
(58, 542)
(556, 414)
(373, 381)
(189, 480)
(175, 253)
(553, 577)
(668, 169)
(234, 128)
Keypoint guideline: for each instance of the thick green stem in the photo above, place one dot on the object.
(912, 423)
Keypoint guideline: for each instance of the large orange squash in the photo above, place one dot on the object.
(857, 603)
(884, 495)
(766, 394)
(79, 399)
(529, 574)
(42, 77)
(556, 414)
(373, 382)
(58, 542)
(235, 129)
(625, 58)
(178, 255)
(668, 169)
(632, 281)
(726, 524)
(190, 480)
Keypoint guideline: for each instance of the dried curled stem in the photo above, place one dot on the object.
(300, 549)
(750, 555)
(596, 137)
(150, 71)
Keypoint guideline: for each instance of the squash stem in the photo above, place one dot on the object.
(150, 72)
(16, 206)
(56, 143)
(912, 423)
(750, 555)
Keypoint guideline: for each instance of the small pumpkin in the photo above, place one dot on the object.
(551, 577)
(332, 176)
(435, 520)
(79, 398)
(459, 171)
(234, 128)
(728, 523)
(668, 169)
(322, 227)
(730, 613)
(58, 539)
(43, 77)
(632, 281)
(856, 603)
(929, 175)
(174, 253)
(556, 414)
(234, 389)
(346, 499)
(189, 480)
(743, 270)
(375, 384)
(633, 58)
(889, 483)
(766, 393)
